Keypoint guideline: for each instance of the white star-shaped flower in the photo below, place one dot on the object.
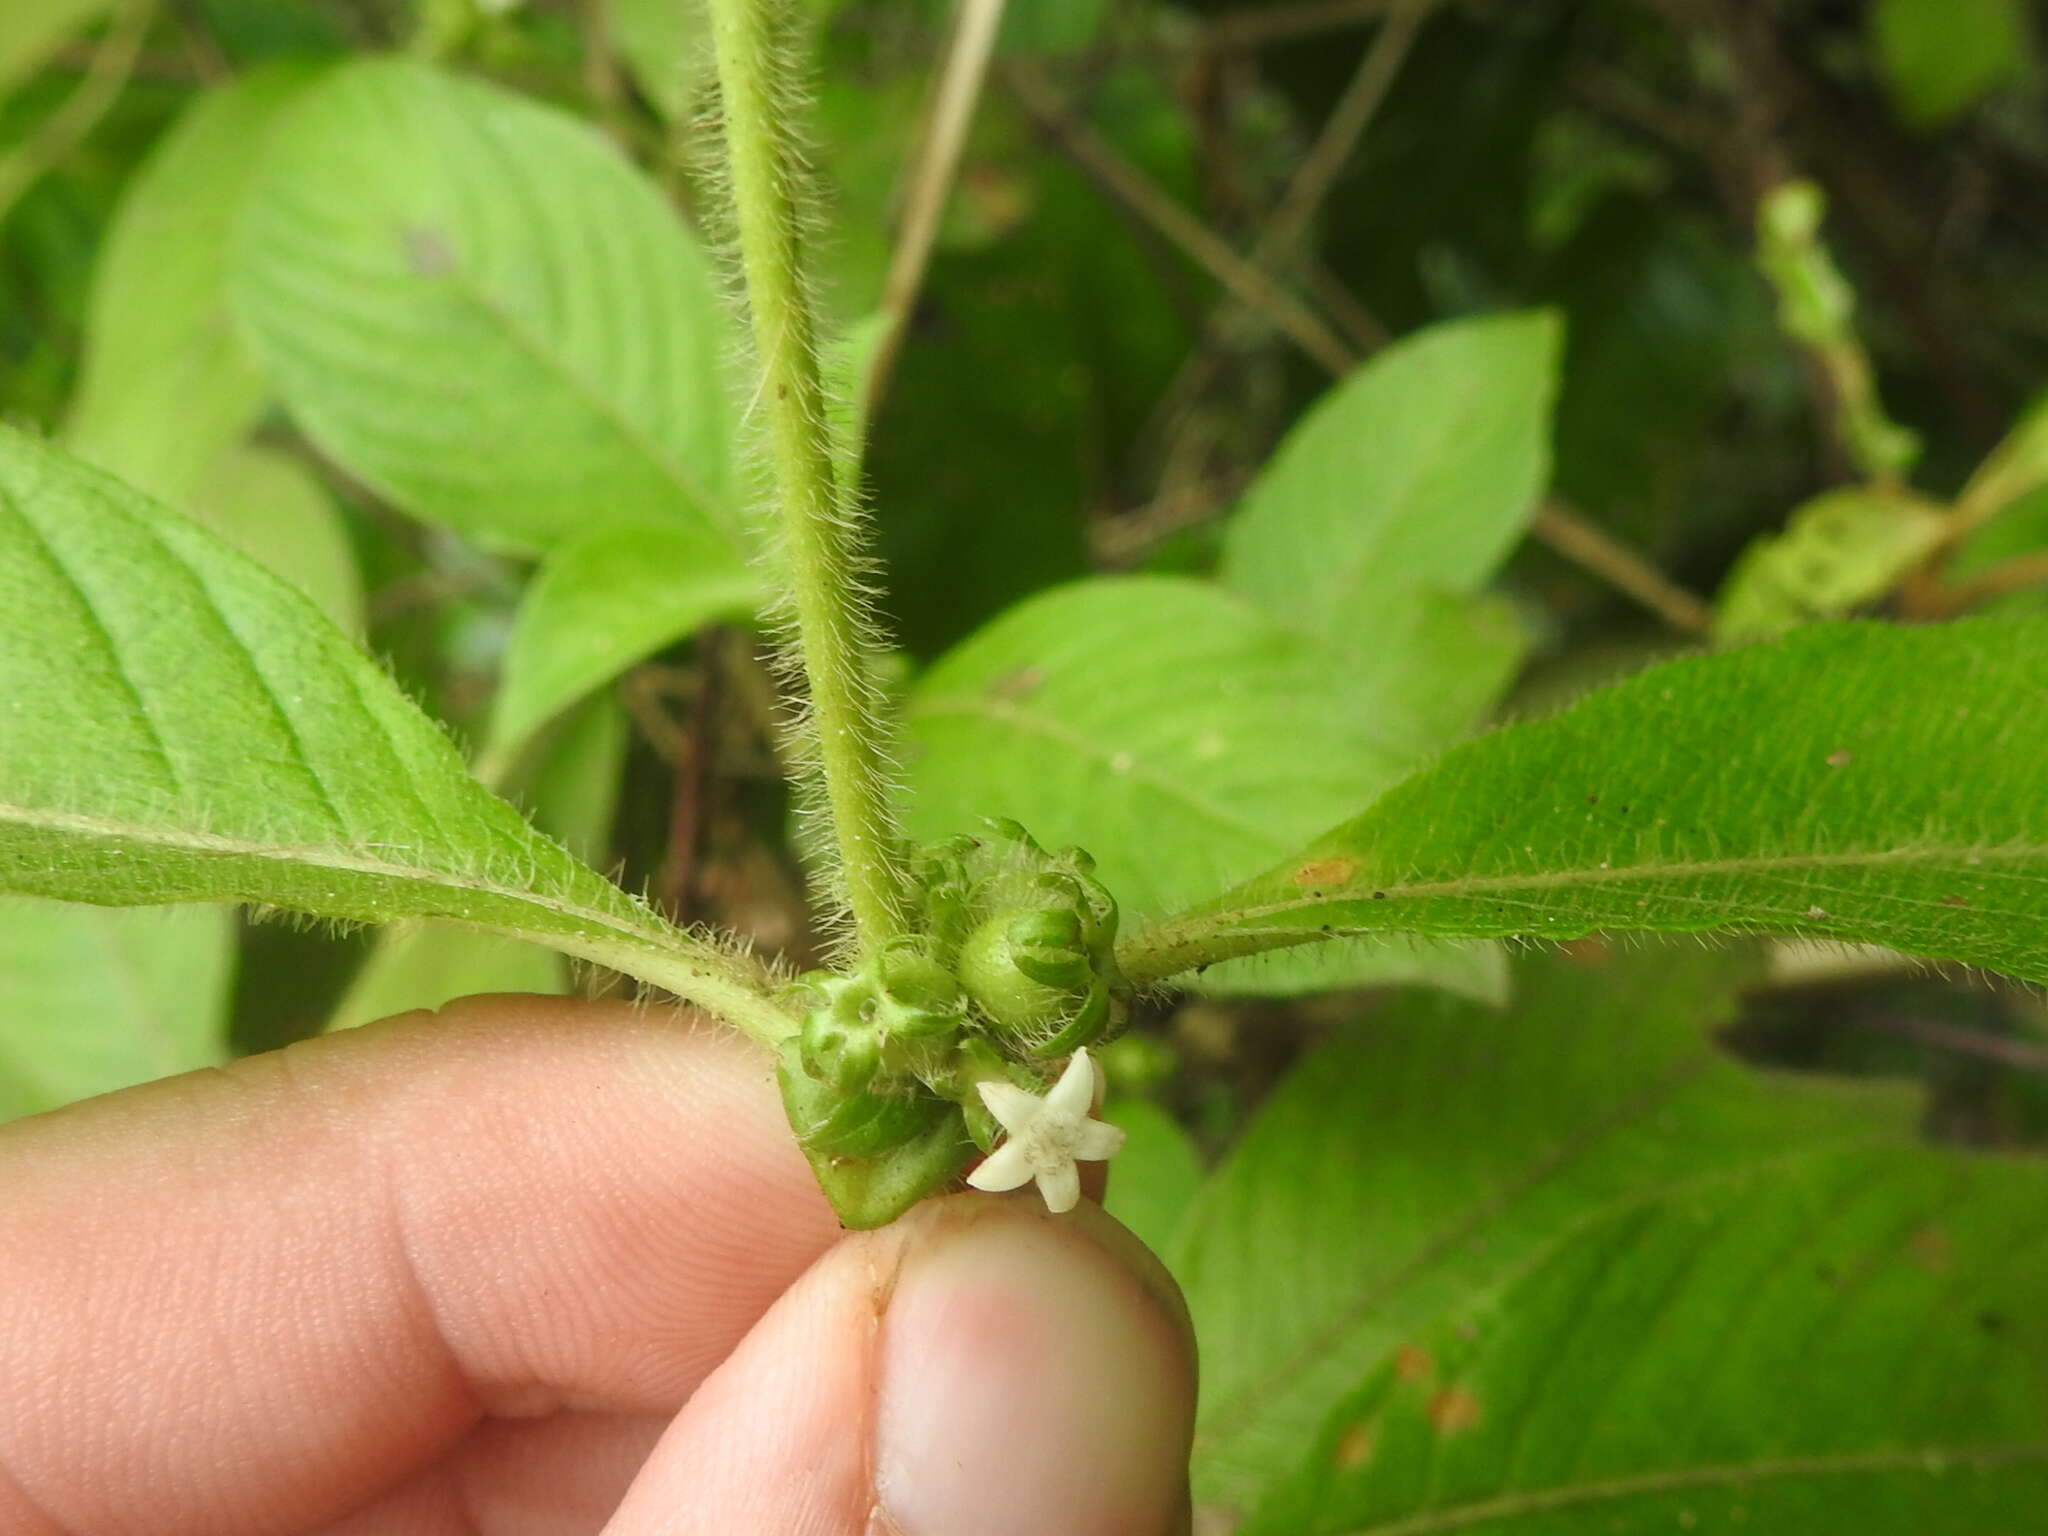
(1046, 1135)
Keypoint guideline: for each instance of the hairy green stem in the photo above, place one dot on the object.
(817, 515)
(726, 990)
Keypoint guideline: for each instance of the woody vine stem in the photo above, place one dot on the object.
(818, 517)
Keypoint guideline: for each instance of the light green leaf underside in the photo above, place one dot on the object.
(1435, 1150)
(1852, 782)
(93, 999)
(477, 306)
(603, 603)
(1171, 729)
(427, 965)
(1417, 472)
(165, 385)
(180, 725)
(268, 505)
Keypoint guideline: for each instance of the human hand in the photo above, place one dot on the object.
(536, 1265)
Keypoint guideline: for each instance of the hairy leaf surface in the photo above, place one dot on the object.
(181, 725)
(1612, 1282)
(1852, 781)
(477, 306)
(1435, 1150)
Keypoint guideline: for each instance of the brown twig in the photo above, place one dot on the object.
(1938, 601)
(1250, 284)
(602, 83)
(1627, 572)
(67, 127)
(1262, 26)
(690, 795)
(2021, 1055)
(1341, 132)
(938, 161)
(1569, 535)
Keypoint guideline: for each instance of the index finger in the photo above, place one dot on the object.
(252, 1297)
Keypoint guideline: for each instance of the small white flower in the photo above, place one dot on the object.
(1046, 1135)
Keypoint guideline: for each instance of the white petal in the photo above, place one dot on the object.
(1075, 1091)
(1096, 1142)
(1005, 1168)
(1061, 1186)
(1010, 1104)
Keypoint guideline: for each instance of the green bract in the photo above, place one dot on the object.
(1015, 966)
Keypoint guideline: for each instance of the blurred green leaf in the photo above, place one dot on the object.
(1851, 781)
(93, 999)
(1839, 551)
(1170, 728)
(659, 41)
(602, 603)
(1943, 56)
(429, 965)
(1156, 1174)
(165, 386)
(182, 725)
(1416, 473)
(1434, 1152)
(268, 505)
(480, 309)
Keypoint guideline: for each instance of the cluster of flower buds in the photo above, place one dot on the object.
(1013, 967)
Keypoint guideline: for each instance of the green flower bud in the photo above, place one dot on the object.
(1039, 958)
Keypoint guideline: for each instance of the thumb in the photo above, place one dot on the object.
(980, 1368)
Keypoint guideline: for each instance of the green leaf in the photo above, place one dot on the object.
(428, 965)
(1613, 1282)
(479, 308)
(659, 41)
(1156, 1175)
(181, 725)
(93, 999)
(1943, 56)
(1839, 551)
(605, 602)
(1417, 472)
(267, 505)
(1852, 782)
(1136, 717)
(1410, 1171)
(1139, 717)
(1143, 718)
(165, 385)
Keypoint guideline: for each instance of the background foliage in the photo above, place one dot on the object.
(1296, 390)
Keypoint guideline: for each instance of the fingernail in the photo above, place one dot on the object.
(1034, 1377)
